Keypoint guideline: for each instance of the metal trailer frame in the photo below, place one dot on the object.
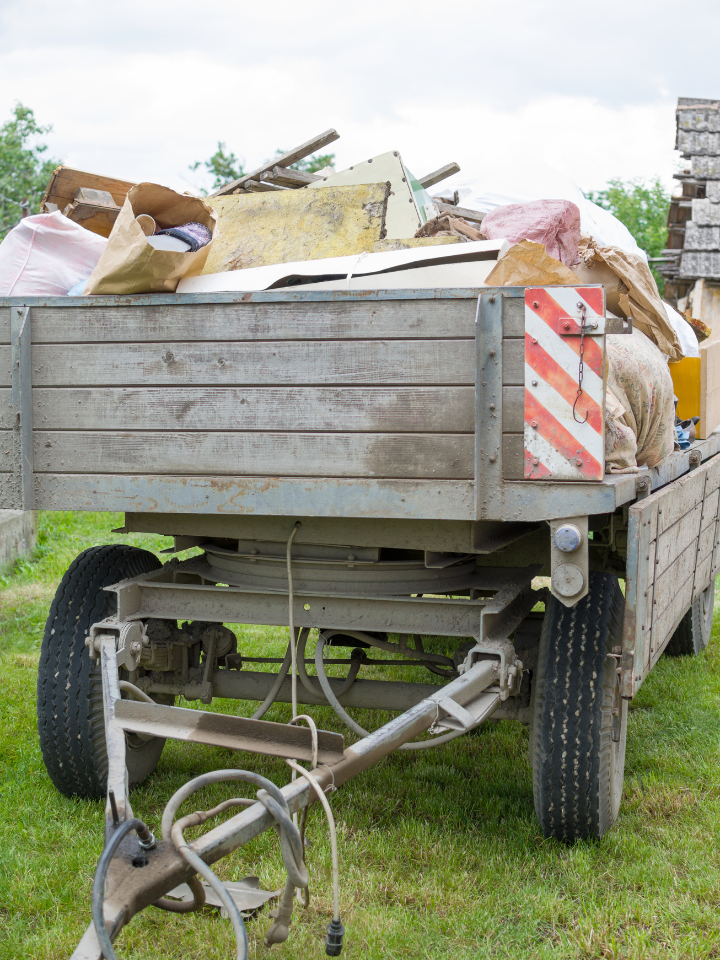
(658, 529)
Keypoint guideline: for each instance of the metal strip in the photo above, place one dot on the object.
(488, 407)
(21, 396)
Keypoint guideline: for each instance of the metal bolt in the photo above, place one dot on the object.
(492, 458)
(536, 303)
(534, 383)
(535, 462)
(566, 326)
(534, 424)
(578, 462)
(492, 353)
(534, 340)
(492, 299)
(492, 406)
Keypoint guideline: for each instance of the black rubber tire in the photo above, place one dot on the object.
(69, 690)
(577, 767)
(693, 632)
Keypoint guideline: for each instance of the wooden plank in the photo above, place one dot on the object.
(5, 377)
(394, 455)
(464, 212)
(706, 542)
(712, 473)
(665, 625)
(5, 324)
(673, 541)
(513, 409)
(66, 181)
(677, 572)
(637, 615)
(514, 317)
(709, 388)
(679, 499)
(710, 509)
(286, 160)
(369, 409)
(442, 173)
(265, 496)
(373, 362)
(513, 456)
(702, 576)
(358, 320)
(513, 362)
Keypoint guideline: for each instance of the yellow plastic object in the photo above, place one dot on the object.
(686, 381)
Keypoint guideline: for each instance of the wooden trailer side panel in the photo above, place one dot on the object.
(673, 556)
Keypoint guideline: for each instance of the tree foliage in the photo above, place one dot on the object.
(24, 169)
(642, 205)
(311, 164)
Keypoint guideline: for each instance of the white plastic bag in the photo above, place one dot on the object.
(47, 255)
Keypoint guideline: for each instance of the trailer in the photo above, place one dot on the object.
(382, 467)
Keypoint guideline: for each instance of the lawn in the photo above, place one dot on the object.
(440, 852)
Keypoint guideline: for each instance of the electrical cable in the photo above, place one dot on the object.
(348, 720)
(275, 688)
(98, 887)
(352, 673)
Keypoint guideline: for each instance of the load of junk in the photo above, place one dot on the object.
(373, 226)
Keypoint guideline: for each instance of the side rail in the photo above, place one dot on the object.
(673, 555)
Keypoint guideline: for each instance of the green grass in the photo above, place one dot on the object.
(440, 853)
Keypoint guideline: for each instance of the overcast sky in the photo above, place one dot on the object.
(140, 90)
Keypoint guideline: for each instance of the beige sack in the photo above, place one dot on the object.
(129, 264)
(636, 294)
(528, 264)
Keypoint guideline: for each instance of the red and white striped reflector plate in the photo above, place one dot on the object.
(557, 447)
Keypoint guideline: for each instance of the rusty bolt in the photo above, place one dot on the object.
(578, 462)
(534, 340)
(535, 462)
(534, 424)
(492, 353)
(536, 303)
(492, 299)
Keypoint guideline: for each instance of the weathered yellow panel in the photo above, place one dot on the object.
(257, 229)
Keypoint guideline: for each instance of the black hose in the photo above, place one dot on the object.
(98, 888)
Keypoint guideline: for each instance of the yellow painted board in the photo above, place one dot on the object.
(697, 386)
(258, 229)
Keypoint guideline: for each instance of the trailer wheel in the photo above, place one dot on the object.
(693, 632)
(69, 691)
(580, 721)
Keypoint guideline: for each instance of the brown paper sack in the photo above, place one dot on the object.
(129, 264)
(528, 264)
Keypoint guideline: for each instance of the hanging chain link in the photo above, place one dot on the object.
(581, 368)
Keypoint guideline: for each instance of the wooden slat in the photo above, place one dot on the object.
(709, 388)
(395, 455)
(678, 572)
(383, 319)
(673, 541)
(372, 362)
(680, 499)
(514, 317)
(664, 626)
(706, 541)
(702, 576)
(513, 409)
(266, 496)
(710, 509)
(513, 362)
(5, 378)
(442, 173)
(513, 456)
(6, 451)
(381, 409)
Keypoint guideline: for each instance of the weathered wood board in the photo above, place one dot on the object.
(673, 555)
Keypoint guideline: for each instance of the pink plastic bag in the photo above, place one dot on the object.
(47, 255)
(554, 223)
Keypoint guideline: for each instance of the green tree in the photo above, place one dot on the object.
(311, 164)
(642, 205)
(223, 167)
(24, 170)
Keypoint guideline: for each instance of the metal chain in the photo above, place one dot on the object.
(581, 368)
